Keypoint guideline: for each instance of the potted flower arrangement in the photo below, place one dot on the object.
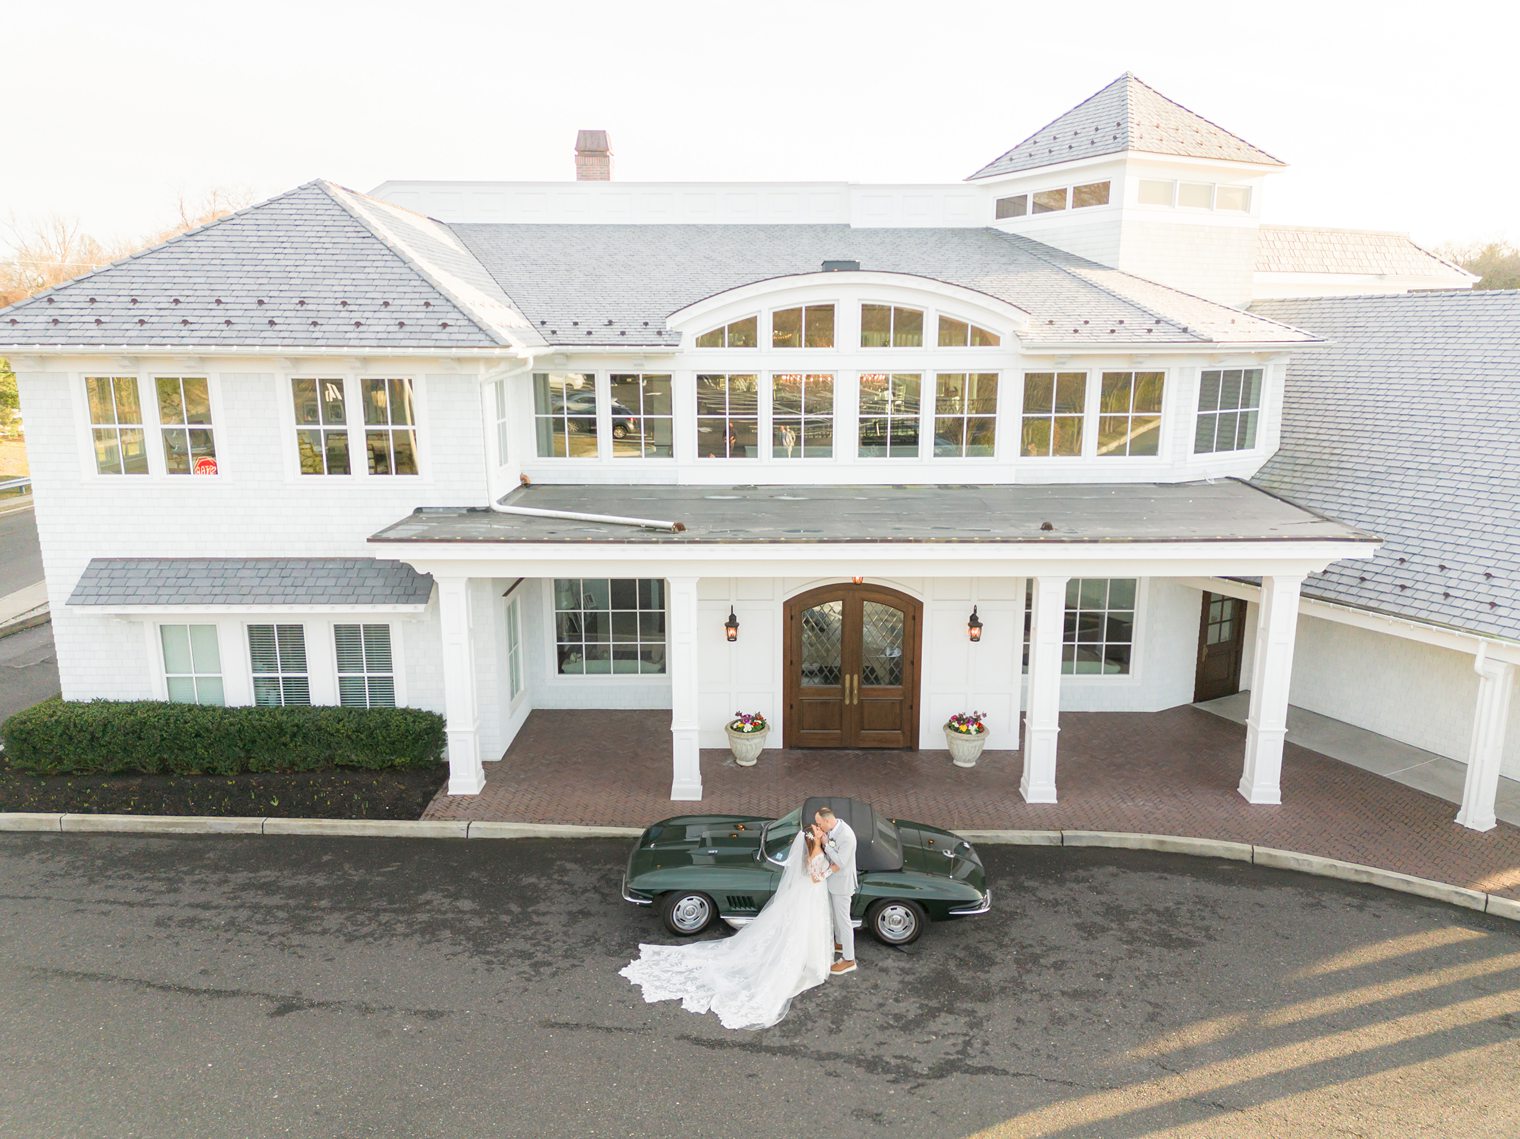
(967, 735)
(746, 737)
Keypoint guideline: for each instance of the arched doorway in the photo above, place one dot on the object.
(852, 661)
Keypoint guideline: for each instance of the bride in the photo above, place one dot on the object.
(749, 979)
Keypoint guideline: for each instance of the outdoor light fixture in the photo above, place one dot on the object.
(731, 626)
(857, 580)
(973, 626)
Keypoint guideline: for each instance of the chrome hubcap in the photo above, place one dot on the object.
(896, 922)
(690, 914)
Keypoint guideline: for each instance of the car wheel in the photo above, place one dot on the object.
(896, 923)
(619, 431)
(686, 914)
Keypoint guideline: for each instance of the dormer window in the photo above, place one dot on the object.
(1014, 207)
(1049, 201)
(742, 333)
(963, 334)
(891, 326)
(807, 326)
(1091, 194)
(1053, 200)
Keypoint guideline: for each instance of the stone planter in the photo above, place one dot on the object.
(746, 746)
(965, 750)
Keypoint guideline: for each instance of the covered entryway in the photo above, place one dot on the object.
(1221, 639)
(852, 663)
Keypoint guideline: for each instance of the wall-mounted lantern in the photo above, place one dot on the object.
(857, 580)
(974, 626)
(731, 626)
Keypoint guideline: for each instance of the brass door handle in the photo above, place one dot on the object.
(851, 689)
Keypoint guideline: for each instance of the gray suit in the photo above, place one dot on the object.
(839, 849)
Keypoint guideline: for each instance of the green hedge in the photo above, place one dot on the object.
(150, 737)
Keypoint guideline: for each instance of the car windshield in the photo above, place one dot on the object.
(779, 835)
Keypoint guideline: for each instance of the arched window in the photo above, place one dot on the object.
(955, 333)
(891, 326)
(741, 333)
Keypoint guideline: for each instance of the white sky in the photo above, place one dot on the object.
(1391, 115)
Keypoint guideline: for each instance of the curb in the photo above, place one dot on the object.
(1267, 856)
(26, 621)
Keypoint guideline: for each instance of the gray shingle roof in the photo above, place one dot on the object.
(599, 285)
(1314, 249)
(1408, 424)
(310, 268)
(120, 582)
(1126, 115)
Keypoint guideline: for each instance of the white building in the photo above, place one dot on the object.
(485, 448)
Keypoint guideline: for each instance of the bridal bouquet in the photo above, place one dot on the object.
(747, 723)
(966, 723)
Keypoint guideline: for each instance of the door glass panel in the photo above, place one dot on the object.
(881, 647)
(822, 637)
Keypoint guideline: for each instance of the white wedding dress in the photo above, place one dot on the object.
(749, 979)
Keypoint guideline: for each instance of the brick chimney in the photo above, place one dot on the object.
(593, 157)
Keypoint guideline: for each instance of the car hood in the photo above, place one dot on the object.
(941, 853)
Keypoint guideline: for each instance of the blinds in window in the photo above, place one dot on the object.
(277, 654)
(366, 676)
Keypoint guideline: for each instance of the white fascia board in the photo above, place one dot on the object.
(1138, 157)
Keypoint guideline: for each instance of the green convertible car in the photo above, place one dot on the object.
(700, 868)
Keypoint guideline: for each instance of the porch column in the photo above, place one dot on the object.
(1496, 680)
(1042, 718)
(681, 655)
(462, 723)
(1271, 672)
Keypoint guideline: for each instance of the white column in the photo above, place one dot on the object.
(1485, 751)
(466, 776)
(685, 677)
(1271, 672)
(1042, 720)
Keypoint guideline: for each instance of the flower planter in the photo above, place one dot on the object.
(965, 749)
(746, 746)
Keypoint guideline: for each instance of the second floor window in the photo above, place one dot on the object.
(1129, 413)
(642, 417)
(963, 334)
(891, 326)
(807, 326)
(321, 426)
(1053, 408)
(1229, 402)
(965, 414)
(889, 411)
(116, 426)
(728, 416)
(802, 415)
(564, 414)
(741, 333)
(390, 426)
(184, 416)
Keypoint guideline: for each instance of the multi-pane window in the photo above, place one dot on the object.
(807, 326)
(390, 426)
(614, 626)
(1099, 636)
(1053, 405)
(1129, 413)
(965, 414)
(1195, 195)
(1090, 194)
(1232, 198)
(321, 426)
(1155, 192)
(891, 326)
(502, 432)
(642, 425)
(277, 654)
(1229, 402)
(889, 414)
(963, 334)
(184, 415)
(802, 415)
(1049, 201)
(192, 664)
(366, 676)
(116, 426)
(1219, 626)
(728, 416)
(564, 414)
(514, 648)
(1014, 207)
(742, 333)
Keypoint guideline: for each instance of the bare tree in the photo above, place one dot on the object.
(1497, 263)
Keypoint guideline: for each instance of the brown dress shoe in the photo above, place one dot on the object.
(842, 967)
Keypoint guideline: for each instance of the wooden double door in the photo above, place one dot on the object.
(852, 668)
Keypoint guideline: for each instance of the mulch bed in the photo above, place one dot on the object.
(340, 793)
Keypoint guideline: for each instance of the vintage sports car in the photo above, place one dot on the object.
(699, 868)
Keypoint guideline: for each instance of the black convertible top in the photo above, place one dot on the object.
(878, 847)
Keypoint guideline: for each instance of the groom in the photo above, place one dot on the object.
(839, 848)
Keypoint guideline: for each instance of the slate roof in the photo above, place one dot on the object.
(317, 267)
(1408, 424)
(117, 582)
(1224, 511)
(1126, 115)
(1313, 249)
(603, 285)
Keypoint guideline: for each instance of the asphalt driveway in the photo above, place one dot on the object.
(270, 986)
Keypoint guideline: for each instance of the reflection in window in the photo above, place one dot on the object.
(1229, 401)
(184, 415)
(642, 427)
(742, 333)
(1090, 194)
(891, 326)
(1049, 201)
(1053, 406)
(604, 627)
(889, 411)
(564, 414)
(116, 425)
(802, 415)
(963, 334)
(390, 426)
(809, 326)
(1129, 413)
(321, 426)
(192, 664)
(1232, 198)
(1100, 626)
(277, 658)
(1014, 207)
(728, 417)
(965, 414)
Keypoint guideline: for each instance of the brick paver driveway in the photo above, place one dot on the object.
(1171, 772)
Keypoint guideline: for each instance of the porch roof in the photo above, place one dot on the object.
(116, 583)
(1223, 511)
